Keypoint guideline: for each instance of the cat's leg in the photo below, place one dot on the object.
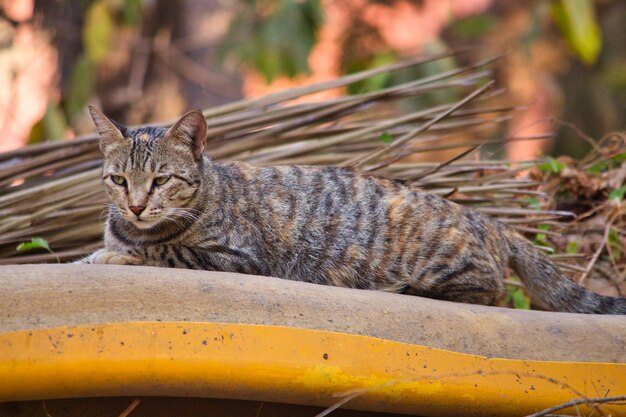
(210, 258)
(460, 294)
(470, 288)
(484, 286)
(473, 295)
(105, 256)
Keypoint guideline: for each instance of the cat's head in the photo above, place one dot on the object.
(152, 174)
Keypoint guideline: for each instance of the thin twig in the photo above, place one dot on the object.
(352, 394)
(130, 408)
(258, 411)
(577, 401)
(45, 409)
(596, 255)
(401, 141)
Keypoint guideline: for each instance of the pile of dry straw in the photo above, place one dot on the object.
(53, 190)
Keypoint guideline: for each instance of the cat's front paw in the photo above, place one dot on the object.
(104, 256)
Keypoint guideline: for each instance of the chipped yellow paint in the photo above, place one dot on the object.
(290, 365)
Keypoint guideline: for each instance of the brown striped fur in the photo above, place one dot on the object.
(325, 225)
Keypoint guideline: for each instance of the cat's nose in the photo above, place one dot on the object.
(137, 209)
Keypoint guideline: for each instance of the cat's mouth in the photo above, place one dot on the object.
(142, 223)
(145, 220)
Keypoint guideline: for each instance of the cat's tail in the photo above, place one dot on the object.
(549, 287)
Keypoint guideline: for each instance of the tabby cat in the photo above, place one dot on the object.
(172, 206)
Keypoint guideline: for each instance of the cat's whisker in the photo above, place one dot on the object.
(105, 211)
(188, 211)
(185, 213)
(174, 220)
(110, 209)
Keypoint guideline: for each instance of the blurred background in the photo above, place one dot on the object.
(151, 60)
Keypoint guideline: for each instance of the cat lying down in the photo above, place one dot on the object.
(172, 206)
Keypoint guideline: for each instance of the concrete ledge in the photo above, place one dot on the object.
(46, 296)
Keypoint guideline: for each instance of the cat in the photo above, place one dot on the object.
(173, 206)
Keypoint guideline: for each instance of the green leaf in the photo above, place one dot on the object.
(552, 166)
(616, 244)
(516, 295)
(540, 238)
(577, 21)
(386, 138)
(131, 12)
(428, 69)
(520, 300)
(98, 31)
(474, 27)
(54, 122)
(533, 31)
(35, 243)
(377, 82)
(51, 126)
(607, 164)
(618, 194)
(597, 168)
(81, 86)
(533, 202)
(572, 247)
(510, 289)
(275, 43)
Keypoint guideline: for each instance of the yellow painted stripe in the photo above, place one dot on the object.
(291, 365)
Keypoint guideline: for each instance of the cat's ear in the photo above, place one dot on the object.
(191, 129)
(111, 132)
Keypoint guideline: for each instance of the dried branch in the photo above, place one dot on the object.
(587, 401)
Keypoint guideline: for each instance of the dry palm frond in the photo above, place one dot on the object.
(53, 190)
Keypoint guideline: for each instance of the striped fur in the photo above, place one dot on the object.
(325, 225)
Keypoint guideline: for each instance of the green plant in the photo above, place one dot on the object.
(577, 21)
(36, 243)
(516, 296)
(274, 37)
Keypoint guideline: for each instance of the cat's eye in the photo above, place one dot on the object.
(160, 180)
(118, 179)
